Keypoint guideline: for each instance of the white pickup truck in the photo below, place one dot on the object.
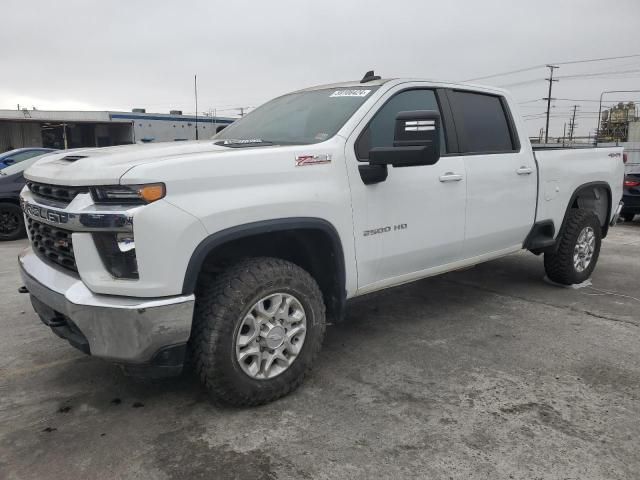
(234, 253)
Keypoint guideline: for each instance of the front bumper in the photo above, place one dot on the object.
(122, 329)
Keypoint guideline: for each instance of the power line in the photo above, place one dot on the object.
(505, 73)
(530, 101)
(525, 82)
(556, 63)
(596, 74)
(599, 59)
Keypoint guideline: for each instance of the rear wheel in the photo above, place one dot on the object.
(257, 330)
(11, 222)
(578, 249)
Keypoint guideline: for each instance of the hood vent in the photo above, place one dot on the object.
(73, 158)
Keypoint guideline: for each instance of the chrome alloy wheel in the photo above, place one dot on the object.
(271, 336)
(584, 249)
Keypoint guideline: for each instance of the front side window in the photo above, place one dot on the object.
(298, 118)
(381, 128)
(481, 123)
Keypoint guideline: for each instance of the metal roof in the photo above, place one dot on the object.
(101, 117)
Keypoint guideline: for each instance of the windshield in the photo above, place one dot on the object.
(297, 118)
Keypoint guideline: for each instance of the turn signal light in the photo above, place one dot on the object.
(151, 193)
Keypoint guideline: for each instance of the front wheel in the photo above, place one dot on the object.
(11, 222)
(578, 249)
(257, 330)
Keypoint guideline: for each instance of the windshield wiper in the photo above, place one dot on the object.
(242, 142)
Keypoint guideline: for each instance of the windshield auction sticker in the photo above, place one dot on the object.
(350, 93)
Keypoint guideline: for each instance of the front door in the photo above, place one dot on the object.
(415, 219)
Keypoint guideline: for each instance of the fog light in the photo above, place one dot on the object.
(118, 254)
(125, 242)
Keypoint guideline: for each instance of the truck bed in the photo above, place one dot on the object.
(563, 171)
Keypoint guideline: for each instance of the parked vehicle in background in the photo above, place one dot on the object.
(21, 154)
(234, 252)
(631, 196)
(11, 183)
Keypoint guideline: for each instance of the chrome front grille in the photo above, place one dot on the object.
(51, 243)
(59, 193)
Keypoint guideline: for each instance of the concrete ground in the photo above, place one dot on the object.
(484, 373)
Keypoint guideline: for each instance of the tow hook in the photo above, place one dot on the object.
(23, 289)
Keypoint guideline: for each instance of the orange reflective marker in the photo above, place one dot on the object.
(153, 192)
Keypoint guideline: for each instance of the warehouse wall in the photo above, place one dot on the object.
(19, 134)
(168, 130)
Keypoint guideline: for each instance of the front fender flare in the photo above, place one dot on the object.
(215, 240)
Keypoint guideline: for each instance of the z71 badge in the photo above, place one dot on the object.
(304, 160)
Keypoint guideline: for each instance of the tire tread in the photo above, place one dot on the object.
(559, 265)
(216, 299)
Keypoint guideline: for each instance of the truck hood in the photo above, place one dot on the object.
(105, 166)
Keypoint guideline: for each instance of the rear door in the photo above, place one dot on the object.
(501, 176)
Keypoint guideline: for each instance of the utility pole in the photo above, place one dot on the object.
(548, 99)
(241, 112)
(572, 123)
(564, 132)
(195, 91)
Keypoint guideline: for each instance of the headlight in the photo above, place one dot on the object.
(128, 194)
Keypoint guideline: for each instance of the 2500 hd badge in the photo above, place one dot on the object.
(388, 228)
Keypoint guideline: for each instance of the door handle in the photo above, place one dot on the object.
(450, 177)
(524, 170)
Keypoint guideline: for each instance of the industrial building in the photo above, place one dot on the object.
(67, 129)
(616, 121)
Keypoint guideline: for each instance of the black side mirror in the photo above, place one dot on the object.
(9, 161)
(416, 141)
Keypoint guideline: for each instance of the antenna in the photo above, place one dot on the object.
(195, 89)
(369, 76)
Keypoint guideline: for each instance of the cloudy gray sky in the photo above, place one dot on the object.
(117, 54)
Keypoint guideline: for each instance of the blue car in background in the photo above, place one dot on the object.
(20, 154)
(11, 183)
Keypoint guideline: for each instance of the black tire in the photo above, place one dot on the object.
(559, 266)
(628, 216)
(221, 304)
(11, 222)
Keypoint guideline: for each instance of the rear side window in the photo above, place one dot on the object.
(482, 123)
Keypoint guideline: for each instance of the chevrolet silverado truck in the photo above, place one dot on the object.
(231, 255)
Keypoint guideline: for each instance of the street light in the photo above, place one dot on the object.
(600, 107)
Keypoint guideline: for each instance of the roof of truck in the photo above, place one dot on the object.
(382, 81)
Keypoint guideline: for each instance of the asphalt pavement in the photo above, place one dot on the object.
(487, 373)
